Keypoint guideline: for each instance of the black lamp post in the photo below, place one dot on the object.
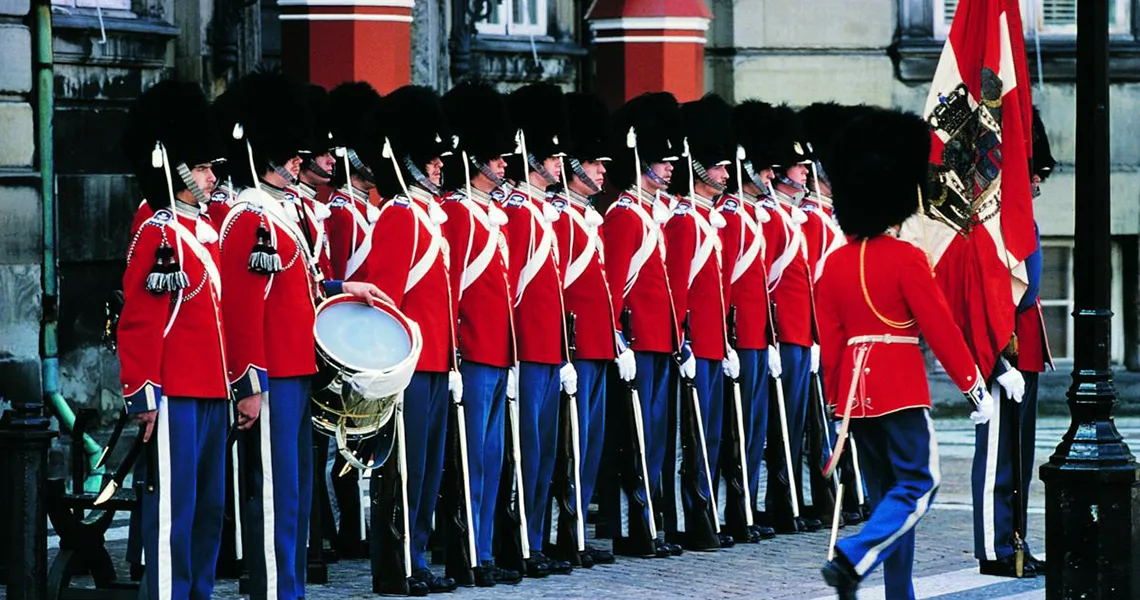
(1092, 496)
(464, 15)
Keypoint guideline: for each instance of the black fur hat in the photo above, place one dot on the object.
(708, 131)
(376, 128)
(539, 109)
(354, 108)
(1043, 161)
(177, 114)
(655, 118)
(477, 113)
(417, 124)
(890, 148)
(274, 118)
(318, 100)
(754, 122)
(822, 120)
(589, 127)
(791, 141)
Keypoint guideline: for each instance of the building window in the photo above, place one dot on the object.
(1058, 302)
(93, 4)
(1054, 18)
(515, 17)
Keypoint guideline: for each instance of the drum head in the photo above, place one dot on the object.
(361, 337)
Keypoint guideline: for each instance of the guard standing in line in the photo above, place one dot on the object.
(876, 296)
(316, 175)
(539, 113)
(411, 266)
(352, 210)
(170, 341)
(587, 296)
(693, 261)
(647, 138)
(269, 309)
(476, 236)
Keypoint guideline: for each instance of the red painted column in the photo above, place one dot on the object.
(649, 46)
(328, 42)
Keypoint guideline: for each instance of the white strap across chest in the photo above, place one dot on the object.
(744, 262)
(472, 270)
(203, 254)
(579, 263)
(538, 252)
(652, 239)
(795, 244)
(424, 264)
(708, 241)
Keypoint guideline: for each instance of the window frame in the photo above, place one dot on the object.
(1123, 25)
(508, 28)
(1069, 302)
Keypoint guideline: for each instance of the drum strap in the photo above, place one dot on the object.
(749, 256)
(579, 264)
(475, 268)
(708, 241)
(424, 264)
(539, 252)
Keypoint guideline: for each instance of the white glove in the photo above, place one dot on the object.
(568, 376)
(688, 362)
(983, 402)
(815, 358)
(627, 365)
(775, 367)
(731, 364)
(513, 382)
(455, 386)
(1012, 382)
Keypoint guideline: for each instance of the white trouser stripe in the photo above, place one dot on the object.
(920, 508)
(268, 515)
(165, 582)
(992, 448)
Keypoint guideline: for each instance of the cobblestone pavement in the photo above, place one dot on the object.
(786, 567)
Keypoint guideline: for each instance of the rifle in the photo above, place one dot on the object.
(567, 511)
(700, 524)
(638, 527)
(391, 538)
(734, 458)
(783, 410)
(511, 539)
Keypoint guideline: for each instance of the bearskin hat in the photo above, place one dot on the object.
(539, 109)
(589, 127)
(378, 127)
(317, 98)
(478, 114)
(708, 130)
(177, 114)
(274, 118)
(754, 122)
(655, 118)
(890, 148)
(822, 120)
(354, 108)
(417, 124)
(792, 147)
(1043, 161)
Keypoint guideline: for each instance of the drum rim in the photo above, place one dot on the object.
(381, 306)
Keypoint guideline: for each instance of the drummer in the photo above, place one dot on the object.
(268, 311)
(411, 267)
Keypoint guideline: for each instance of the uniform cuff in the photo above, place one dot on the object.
(333, 286)
(144, 400)
(254, 381)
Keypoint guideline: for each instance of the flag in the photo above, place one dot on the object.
(976, 223)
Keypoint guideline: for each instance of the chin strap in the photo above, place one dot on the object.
(792, 184)
(703, 175)
(311, 165)
(749, 170)
(361, 170)
(541, 170)
(283, 174)
(487, 172)
(419, 175)
(647, 170)
(580, 173)
(188, 181)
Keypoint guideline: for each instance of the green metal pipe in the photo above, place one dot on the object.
(49, 268)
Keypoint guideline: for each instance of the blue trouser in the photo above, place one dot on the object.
(539, 394)
(992, 477)
(652, 383)
(899, 458)
(591, 423)
(425, 429)
(181, 521)
(754, 404)
(484, 396)
(709, 384)
(796, 364)
(279, 452)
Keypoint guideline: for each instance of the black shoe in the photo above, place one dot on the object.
(726, 541)
(625, 547)
(1006, 567)
(484, 576)
(599, 556)
(435, 583)
(537, 566)
(786, 526)
(674, 549)
(409, 587)
(840, 575)
(507, 576)
(585, 560)
(852, 517)
(1038, 564)
(809, 524)
(762, 531)
(554, 566)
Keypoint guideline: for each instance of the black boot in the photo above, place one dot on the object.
(435, 583)
(537, 566)
(484, 576)
(840, 575)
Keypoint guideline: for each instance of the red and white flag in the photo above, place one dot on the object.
(977, 229)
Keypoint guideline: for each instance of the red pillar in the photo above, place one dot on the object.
(649, 46)
(328, 42)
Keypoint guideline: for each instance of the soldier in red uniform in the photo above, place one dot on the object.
(353, 214)
(475, 232)
(316, 175)
(411, 266)
(647, 141)
(269, 308)
(587, 293)
(876, 296)
(693, 245)
(539, 112)
(170, 340)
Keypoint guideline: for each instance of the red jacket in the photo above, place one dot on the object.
(821, 234)
(587, 294)
(348, 229)
(411, 267)
(693, 251)
(316, 215)
(535, 278)
(475, 233)
(788, 274)
(901, 287)
(630, 231)
(1032, 346)
(269, 318)
(745, 270)
(171, 344)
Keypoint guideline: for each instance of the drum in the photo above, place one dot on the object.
(366, 356)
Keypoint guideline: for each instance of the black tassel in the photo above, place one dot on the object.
(166, 276)
(264, 259)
